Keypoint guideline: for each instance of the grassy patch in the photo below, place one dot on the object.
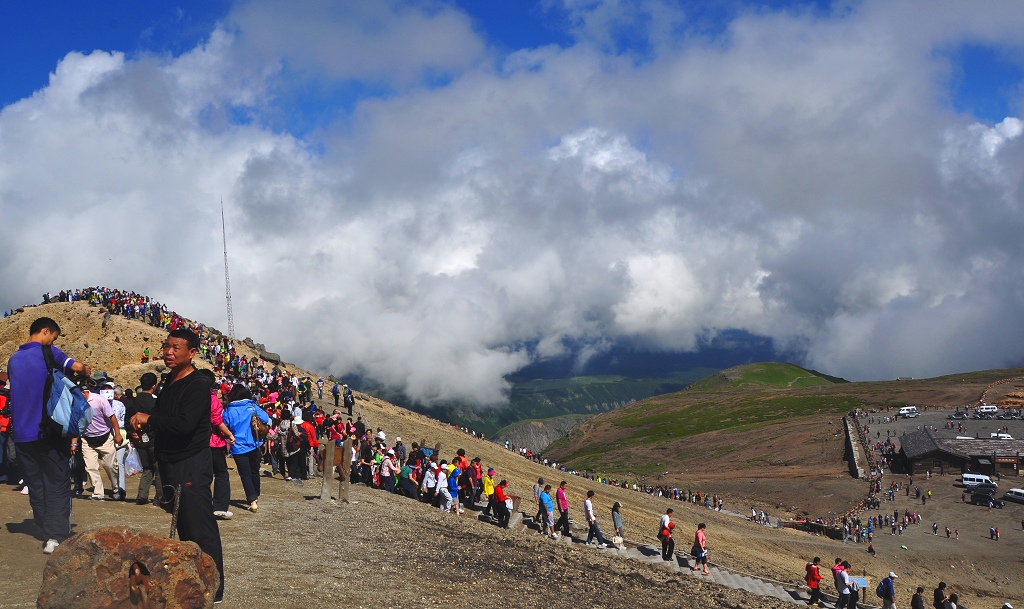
(658, 425)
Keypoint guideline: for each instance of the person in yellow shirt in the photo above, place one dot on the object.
(488, 483)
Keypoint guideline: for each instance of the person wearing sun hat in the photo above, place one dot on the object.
(887, 591)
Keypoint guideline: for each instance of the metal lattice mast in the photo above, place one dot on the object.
(227, 278)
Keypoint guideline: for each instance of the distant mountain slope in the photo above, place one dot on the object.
(730, 417)
(538, 434)
(765, 375)
(540, 399)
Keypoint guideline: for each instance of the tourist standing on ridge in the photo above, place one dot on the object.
(42, 457)
(336, 392)
(181, 421)
(350, 400)
(668, 545)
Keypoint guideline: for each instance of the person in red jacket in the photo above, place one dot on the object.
(814, 578)
(500, 508)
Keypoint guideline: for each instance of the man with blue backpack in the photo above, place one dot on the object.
(886, 591)
(43, 453)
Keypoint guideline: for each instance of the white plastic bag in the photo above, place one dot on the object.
(132, 465)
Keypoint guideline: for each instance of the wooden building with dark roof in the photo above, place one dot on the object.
(923, 450)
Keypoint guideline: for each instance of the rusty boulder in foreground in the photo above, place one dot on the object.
(122, 567)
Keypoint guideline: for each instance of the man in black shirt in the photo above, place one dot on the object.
(940, 596)
(181, 424)
(144, 442)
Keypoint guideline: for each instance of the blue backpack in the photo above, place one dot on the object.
(66, 412)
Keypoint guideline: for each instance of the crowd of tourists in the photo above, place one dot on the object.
(260, 414)
(851, 590)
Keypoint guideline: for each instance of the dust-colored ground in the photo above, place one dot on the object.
(387, 551)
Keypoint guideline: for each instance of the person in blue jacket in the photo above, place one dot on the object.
(246, 449)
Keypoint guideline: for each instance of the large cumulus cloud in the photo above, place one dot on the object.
(465, 212)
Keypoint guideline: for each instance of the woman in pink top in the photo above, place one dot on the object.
(700, 549)
(220, 437)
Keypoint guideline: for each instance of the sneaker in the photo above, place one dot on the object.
(97, 497)
(602, 545)
(50, 546)
(223, 514)
(253, 507)
(141, 501)
(24, 490)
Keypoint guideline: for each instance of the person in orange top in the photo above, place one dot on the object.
(307, 426)
(813, 577)
(500, 509)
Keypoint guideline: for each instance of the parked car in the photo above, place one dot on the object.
(1006, 417)
(1015, 494)
(986, 488)
(985, 499)
(957, 416)
(981, 416)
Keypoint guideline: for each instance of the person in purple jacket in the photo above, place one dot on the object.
(43, 457)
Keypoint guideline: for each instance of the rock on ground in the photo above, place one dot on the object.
(92, 571)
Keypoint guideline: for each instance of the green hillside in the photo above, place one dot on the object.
(729, 410)
(763, 375)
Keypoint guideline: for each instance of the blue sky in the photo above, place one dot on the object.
(439, 194)
(986, 81)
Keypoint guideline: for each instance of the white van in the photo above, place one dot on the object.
(1000, 436)
(909, 412)
(970, 480)
(1015, 494)
(987, 409)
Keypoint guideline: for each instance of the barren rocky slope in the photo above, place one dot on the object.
(390, 551)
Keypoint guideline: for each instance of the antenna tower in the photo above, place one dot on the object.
(227, 279)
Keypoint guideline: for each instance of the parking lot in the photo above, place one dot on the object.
(937, 421)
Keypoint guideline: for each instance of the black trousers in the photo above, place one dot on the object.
(150, 473)
(248, 466)
(196, 521)
(221, 479)
(668, 548)
(501, 510)
(45, 465)
(815, 596)
(563, 522)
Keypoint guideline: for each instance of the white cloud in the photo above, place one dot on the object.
(800, 178)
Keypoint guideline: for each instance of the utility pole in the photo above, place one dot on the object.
(227, 279)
